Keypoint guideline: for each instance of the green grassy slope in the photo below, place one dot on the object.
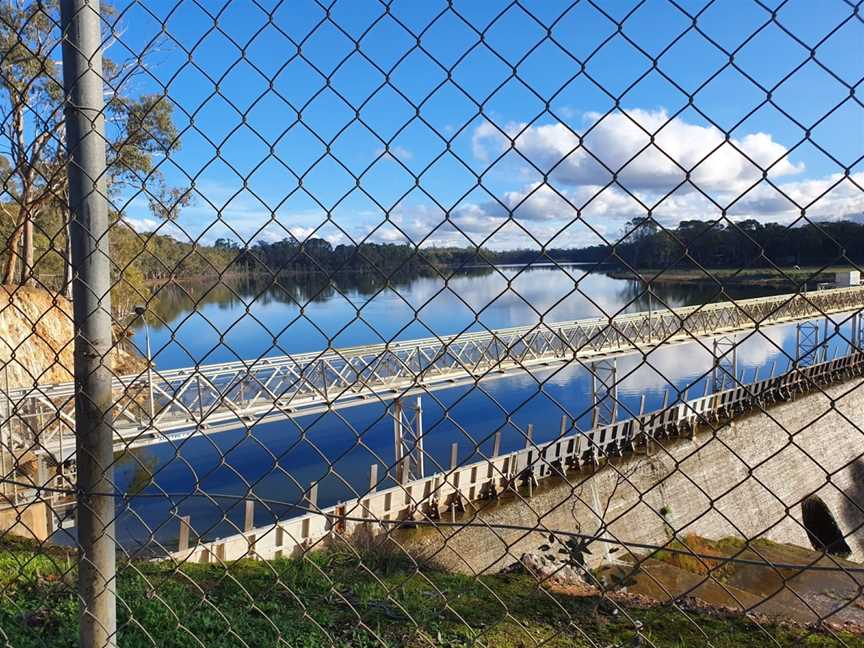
(330, 598)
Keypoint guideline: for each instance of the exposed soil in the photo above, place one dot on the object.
(36, 339)
(806, 596)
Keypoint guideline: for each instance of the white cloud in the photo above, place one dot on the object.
(395, 151)
(578, 189)
(621, 144)
(143, 224)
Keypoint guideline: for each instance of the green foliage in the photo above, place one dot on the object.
(747, 244)
(320, 599)
(571, 550)
(384, 258)
(139, 132)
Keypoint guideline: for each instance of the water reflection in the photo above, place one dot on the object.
(252, 317)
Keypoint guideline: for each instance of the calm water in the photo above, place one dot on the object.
(250, 319)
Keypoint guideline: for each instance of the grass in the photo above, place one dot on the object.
(336, 598)
(698, 545)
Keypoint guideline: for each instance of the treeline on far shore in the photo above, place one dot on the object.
(744, 245)
(319, 255)
(642, 244)
(144, 259)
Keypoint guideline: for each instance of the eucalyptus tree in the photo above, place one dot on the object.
(140, 132)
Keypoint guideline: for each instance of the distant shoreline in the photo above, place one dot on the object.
(787, 277)
(297, 272)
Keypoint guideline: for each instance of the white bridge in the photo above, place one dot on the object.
(212, 398)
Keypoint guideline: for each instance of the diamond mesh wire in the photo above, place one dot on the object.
(432, 324)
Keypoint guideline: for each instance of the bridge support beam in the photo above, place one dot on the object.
(725, 371)
(857, 325)
(808, 345)
(604, 392)
(408, 441)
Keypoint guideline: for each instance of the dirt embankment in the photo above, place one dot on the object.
(36, 339)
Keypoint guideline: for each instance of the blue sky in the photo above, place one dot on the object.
(499, 123)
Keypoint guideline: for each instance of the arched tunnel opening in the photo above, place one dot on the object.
(822, 529)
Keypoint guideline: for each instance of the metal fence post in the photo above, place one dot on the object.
(85, 140)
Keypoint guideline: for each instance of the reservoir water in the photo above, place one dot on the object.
(247, 319)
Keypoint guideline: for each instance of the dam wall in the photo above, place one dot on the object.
(746, 478)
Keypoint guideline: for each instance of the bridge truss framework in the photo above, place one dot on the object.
(213, 398)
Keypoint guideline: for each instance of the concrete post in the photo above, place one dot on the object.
(183, 541)
(7, 459)
(856, 322)
(604, 392)
(399, 442)
(200, 398)
(373, 478)
(91, 290)
(249, 516)
(454, 462)
(418, 438)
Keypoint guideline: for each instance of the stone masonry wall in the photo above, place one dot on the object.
(745, 479)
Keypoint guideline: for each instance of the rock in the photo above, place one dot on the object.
(542, 568)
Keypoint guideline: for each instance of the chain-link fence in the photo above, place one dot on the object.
(392, 323)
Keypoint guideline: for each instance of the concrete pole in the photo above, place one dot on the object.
(735, 380)
(650, 312)
(398, 441)
(200, 398)
(91, 291)
(7, 460)
(373, 478)
(418, 438)
(825, 345)
(715, 371)
(183, 541)
(249, 516)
